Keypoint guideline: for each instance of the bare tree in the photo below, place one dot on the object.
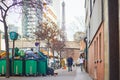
(46, 31)
(58, 45)
(78, 36)
(4, 10)
(50, 32)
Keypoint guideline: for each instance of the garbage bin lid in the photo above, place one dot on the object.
(29, 52)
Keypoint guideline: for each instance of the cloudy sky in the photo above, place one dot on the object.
(75, 15)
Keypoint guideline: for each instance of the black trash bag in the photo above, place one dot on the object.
(50, 71)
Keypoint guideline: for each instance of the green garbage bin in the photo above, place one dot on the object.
(30, 67)
(42, 67)
(18, 67)
(21, 53)
(2, 66)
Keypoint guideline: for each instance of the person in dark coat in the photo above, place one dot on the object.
(69, 63)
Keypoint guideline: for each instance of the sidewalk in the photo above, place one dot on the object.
(76, 74)
(81, 75)
(63, 74)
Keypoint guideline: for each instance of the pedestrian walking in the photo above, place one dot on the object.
(81, 61)
(69, 63)
(63, 63)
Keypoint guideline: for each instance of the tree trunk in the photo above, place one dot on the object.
(53, 57)
(60, 59)
(7, 50)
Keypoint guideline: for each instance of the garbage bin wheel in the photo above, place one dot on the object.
(21, 74)
(27, 75)
(35, 74)
(43, 74)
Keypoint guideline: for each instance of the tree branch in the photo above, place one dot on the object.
(1, 20)
(5, 4)
(2, 8)
(1, 13)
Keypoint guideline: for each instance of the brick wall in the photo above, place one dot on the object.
(96, 56)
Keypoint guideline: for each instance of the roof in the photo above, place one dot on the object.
(72, 44)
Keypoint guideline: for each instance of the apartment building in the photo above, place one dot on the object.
(94, 23)
(49, 15)
(102, 23)
(31, 16)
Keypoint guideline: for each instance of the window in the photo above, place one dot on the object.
(100, 46)
(97, 48)
(89, 33)
(91, 6)
(95, 56)
(93, 1)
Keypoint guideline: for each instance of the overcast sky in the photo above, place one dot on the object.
(75, 15)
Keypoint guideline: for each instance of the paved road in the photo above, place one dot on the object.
(63, 74)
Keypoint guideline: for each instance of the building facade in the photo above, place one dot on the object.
(32, 15)
(94, 23)
(102, 23)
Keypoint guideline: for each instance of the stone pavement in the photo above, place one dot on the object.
(76, 74)
(63, 74)
(81, 75)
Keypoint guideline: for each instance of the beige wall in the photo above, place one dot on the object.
(71, 48)
(82, 45)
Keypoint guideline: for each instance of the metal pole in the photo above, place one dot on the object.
(48, 52)
(13, 55)
(60, 58)
(53, 57)
(13, 49)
